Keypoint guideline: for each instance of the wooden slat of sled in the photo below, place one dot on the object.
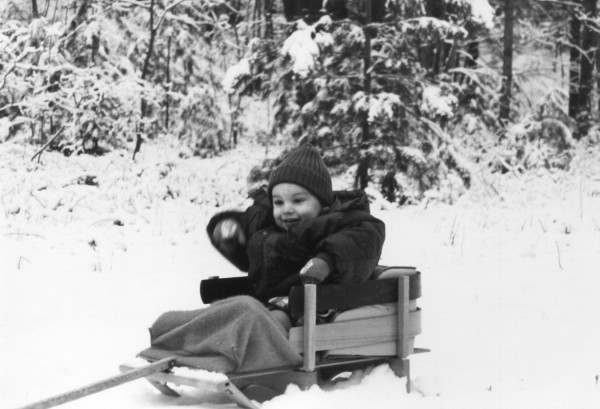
(309, 330)
(355, 333)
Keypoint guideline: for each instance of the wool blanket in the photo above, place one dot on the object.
(233, 335)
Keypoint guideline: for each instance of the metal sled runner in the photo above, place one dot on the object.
(379, 322)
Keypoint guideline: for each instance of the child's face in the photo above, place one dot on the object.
(292, 204)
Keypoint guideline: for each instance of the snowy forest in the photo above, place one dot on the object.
(411, 93)
(472, 125)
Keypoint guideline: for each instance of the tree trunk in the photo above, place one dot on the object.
(268, 18)
(362, 172)
(472, 53)
(34, 9)
(507, 61)
(168, 84)
(367, 51)
(574, 64)
(146, 66)
(597, 66)
(434, 54)
(361, 181)
(588, 42)
(255, 19)
(80, 15)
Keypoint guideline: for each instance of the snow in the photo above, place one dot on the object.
(380, 104)
(303, 45)
(302, 49)
(442, 26)
(510, 280)
(234, 74)
(481, 12)
(436, 104)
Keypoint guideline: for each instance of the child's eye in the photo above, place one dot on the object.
(277, 202)
(299, 200)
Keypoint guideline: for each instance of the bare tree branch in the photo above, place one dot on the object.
(56, 135)
(13, 64)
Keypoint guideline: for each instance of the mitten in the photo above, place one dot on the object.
(228, 235)
(315, 271)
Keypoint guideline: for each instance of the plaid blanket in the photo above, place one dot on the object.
(233, 335)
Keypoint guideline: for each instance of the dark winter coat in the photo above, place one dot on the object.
(345, 235)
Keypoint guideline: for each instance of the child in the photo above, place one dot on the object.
(296, 220)
(298, 230)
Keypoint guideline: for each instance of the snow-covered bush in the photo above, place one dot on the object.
(51, 94)
(200, 127)
(541, 139)
(97, 81)
(437, 104)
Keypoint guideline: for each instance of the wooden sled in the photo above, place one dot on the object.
(379, 322)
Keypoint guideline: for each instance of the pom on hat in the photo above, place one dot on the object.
(304, 166)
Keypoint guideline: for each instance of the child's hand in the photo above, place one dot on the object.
(227, 230)
(315, 271)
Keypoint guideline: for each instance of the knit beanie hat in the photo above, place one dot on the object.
(304, 166)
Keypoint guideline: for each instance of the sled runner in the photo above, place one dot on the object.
(378, 322)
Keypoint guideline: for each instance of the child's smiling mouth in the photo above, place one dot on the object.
(290, 222)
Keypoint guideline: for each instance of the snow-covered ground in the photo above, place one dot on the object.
(92, 250)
